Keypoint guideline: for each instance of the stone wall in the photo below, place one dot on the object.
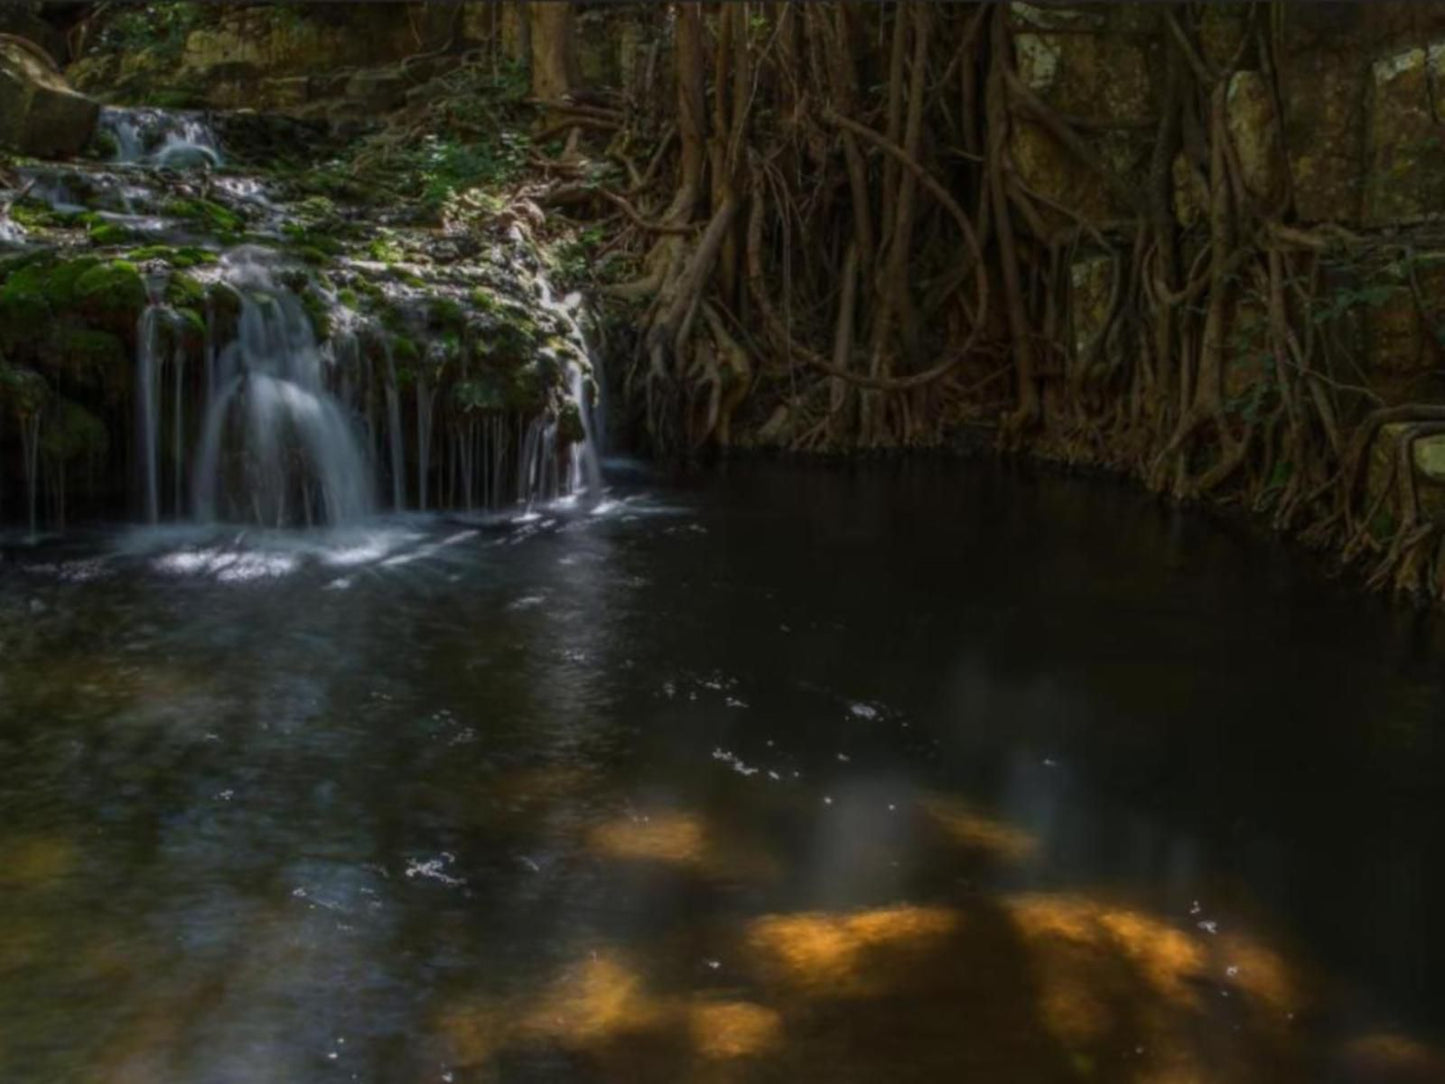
(1355, 138)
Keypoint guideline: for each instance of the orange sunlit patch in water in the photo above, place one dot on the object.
(683, 841)
(674, 838)
(34, 861)
(1168, 959)
(600, 998)
(583, 1006)
(966, 827)
(734, 1029)
(1391, 1059)
(831, 952)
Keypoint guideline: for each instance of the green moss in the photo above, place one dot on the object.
(484, 299)
(24, 310)
(403, 349)
(486, 393)
(224, 301)
(111, 294)
(22, 391)
(33, 214)
(569, 425)
(193, 323)
(312, 255)
(109, 233)
(184, 291)
(90, 358)
(319, 314)
(62, 284)
(384, 250)
(348, 298)
(207, 214)
(304, 238)
(444, 313)
(104, 145)
(374, 293)
(411, 278)
(182, 258)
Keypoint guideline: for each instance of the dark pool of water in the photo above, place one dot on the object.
(924, 773)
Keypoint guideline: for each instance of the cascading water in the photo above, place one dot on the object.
(236, 412)
(276, 447)
(161, 138)
(424, 397)
(393, 418)
(584, 468)
(157, 327)
(30, 450)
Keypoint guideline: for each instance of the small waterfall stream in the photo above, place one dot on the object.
(276, 446)
(264, 393)
(149, 354)
(161, 137)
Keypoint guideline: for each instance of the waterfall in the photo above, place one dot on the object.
(586, 469)
(161, 138)
(393, 424)
(147, 397)
(424, 396)
(276, 447)
(30, 451)
(178, 425)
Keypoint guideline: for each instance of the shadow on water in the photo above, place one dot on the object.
(896, 773)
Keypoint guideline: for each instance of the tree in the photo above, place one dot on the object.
(554, 49)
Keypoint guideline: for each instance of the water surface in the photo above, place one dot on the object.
(923, 773)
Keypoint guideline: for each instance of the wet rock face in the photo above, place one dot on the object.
(40, 114)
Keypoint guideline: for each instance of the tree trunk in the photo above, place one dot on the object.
(554, 50)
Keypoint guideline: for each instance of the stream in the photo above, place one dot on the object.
(923, 772)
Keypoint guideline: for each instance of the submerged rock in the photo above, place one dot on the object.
(40, 114)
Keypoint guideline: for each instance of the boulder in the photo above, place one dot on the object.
(377, 90)
(40, 114)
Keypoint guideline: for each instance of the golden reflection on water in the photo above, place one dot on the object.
(676, 838)
(829, 955)
(605, 1001)
(1391, 1058)
(734, 1029)
(35, 861)
(1039, 986)
(683, 841)
(965, 826)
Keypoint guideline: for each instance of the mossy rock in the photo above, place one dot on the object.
(446, 315)
(110, 233)
(24, 313)
(70, 432)
(90, 358)
(224, 301)
(182, 291)
(207, 214)
(192, 325)
(385, 250)
(569, 424)
(485, 393)
(34, 214)
(103, 145)
(111, 295)
(181, 258)
(304, 238)
(404, 350)
(22, 391)
(318, 312)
